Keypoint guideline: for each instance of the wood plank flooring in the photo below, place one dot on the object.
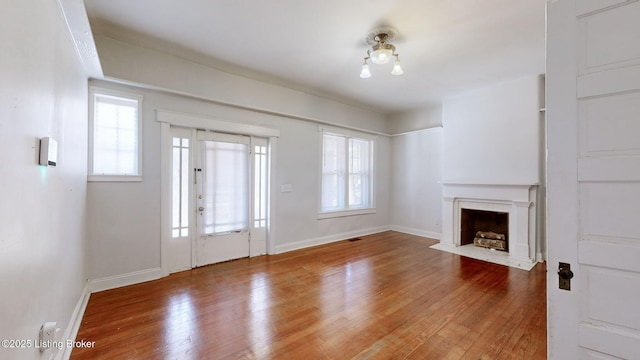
(386, 296)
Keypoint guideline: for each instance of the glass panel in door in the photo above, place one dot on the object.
(223, 197)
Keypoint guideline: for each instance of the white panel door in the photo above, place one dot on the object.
(222, 197)
(593, 179)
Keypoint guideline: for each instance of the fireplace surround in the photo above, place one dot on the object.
(517, 200)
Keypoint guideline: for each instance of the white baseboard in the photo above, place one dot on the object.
(328, 239)
(74, 324)
(417, 232)
(136, 277)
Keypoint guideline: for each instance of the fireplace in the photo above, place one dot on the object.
(508, 209)
(488, 229)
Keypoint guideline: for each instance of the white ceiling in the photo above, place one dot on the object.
(446, 46)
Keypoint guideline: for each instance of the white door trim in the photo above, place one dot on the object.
(165, 197)
(214, 124)
(171, 118)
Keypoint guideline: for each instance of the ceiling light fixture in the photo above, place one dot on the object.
(381, 50)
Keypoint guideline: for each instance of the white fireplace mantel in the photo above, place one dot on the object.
(518, 200)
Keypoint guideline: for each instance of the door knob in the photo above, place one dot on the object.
(565, 274)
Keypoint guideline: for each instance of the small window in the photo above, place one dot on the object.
(180, 187)
(115, 136)
(260, 184)
(347, 173)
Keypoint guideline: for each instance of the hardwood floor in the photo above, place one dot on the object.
(386, 296)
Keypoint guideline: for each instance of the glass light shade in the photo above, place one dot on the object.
(365, 73)
(397, 69)
(382, 53)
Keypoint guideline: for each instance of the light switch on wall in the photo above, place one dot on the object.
(286, 188)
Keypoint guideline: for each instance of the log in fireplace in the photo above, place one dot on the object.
(488, 229)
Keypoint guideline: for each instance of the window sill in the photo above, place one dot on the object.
(343, 213)
(114, 178)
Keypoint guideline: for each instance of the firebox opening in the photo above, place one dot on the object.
(487, 223)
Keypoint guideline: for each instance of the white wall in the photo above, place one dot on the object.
(416, 205)
(43, 92)
(494, 134)
(124, 218)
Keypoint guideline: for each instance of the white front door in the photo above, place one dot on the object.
(222, 179)
(593, 178)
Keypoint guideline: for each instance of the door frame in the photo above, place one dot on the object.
(562, 195)
(170, 118)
